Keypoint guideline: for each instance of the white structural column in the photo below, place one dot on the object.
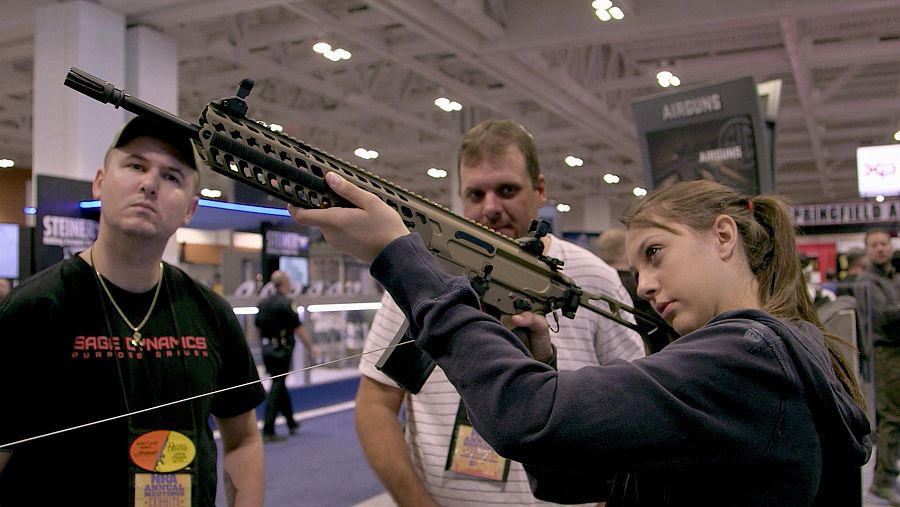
(455, 200)
(151, 74)
(72, 131)
(151, 67)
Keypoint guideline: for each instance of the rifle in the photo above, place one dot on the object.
(510, 275)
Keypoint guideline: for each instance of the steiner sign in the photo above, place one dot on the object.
(846, 213)
(285, 243)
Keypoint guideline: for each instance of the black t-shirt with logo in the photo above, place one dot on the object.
(66, 360)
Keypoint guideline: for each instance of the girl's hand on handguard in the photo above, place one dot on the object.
(539, 331)
(362, 232)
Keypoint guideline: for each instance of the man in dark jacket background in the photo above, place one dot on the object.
(278, 324)
(884, 296)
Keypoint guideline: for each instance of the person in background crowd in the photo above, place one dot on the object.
(278, 324)
(502, 187)
(753, 405)
(857, 262)
(114, 332)
(611, 248)
(5, 287)
(217, 285)
(883, 284)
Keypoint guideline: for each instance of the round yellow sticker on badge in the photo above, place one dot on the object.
(162, 451)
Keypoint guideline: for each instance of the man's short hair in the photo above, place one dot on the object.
(611, 246)
(873, 231)
(854, 256)
(140, 126)
(490, 138)
(280, 278)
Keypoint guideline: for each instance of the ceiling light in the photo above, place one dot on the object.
(334, 55)
(366, 154)
(434, 172)
(447, 104)
(574, 161)
(879, 198)
(897, 135)
(6, 163)
(563, 208)
(206, 203)
(606, 11)
(343, 307)
(667, 79)
(211, 193)
(610, 178)
(274, 127)
(639, 192)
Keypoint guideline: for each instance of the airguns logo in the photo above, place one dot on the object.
(692, 107)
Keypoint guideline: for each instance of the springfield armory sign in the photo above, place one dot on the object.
(846, 213)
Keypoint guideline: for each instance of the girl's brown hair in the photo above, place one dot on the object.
(769, 242)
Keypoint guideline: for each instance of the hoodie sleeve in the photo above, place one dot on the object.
(696, 402)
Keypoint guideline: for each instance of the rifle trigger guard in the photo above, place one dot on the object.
(555, 320)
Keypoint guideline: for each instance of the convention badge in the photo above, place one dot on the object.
(162, 452)
(470, 455)
(162, 490)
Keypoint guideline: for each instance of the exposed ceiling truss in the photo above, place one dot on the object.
(551, 65)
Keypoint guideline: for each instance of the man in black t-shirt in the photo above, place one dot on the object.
(112, 361)
(278, 324)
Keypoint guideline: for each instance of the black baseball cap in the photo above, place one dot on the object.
(140, 126)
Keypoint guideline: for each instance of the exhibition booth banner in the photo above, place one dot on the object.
(63, 228)
(714, 132)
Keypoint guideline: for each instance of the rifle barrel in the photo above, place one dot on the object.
(107, 93)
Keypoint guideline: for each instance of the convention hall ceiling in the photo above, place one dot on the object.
(552, 65)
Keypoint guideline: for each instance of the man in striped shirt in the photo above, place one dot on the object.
(421, 464)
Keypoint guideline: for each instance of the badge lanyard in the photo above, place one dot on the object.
(161, 464)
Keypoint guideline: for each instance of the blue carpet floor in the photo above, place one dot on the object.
(319, 395)
(323, 464)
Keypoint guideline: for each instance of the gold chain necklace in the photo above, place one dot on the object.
(136, 338)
